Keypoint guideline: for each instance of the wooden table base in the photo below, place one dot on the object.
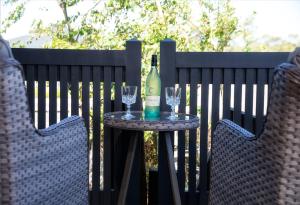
(127, 170)
(172, 171)
(167, 177)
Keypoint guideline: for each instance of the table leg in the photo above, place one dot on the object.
(143, 174)
(127, 170)
(172, 171)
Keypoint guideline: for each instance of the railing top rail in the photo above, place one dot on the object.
(230, 59)
(70, 57)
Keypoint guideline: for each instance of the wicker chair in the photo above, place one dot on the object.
(47, 166)
(261, 170)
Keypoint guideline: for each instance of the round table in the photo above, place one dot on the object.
(140, 123)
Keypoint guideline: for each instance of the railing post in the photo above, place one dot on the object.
(167, 68)
(137, 186)
(167, 74)
(133, 68)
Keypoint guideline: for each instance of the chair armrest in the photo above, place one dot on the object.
(50, 165)
(234, 129)
(61, 161)
(66, 123)
(233, 164)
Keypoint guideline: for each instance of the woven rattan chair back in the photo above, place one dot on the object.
(266, 169)
(37, 166)
(14, 109)
(15, 120)
(280, 141)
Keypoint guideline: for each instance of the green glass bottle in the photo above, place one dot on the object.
(153, 89)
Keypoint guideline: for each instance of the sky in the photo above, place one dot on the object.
(273, 17)
(47, 10)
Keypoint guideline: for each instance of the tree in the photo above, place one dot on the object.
(14, 15)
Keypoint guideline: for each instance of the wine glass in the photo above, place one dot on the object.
(129, 98)
(173, 99)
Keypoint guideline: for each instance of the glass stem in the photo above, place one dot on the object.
(173, 110)
(128, 109)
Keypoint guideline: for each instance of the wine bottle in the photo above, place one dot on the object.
(153, 89)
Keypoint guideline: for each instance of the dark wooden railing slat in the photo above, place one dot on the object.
(194, 75)
(237, 117)
(31, 89)
(63, 92)
(228, 80)
(86, 73)
(250, 81)
(117, 107)
(261, 81)
(203, 134)
(107, 138)
(42, 96)
(181, 134)
(118, 85)
(217, 79)
(52, 94)
(270, 80)
(96, 136)
(75, 75)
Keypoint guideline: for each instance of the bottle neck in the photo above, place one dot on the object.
(153, 69)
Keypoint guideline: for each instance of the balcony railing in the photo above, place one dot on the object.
(228, 85)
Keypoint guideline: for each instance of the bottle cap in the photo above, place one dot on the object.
(154, 60)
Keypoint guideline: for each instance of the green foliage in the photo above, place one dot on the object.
(218, 25)
(277, 44)
(14, 15)
(273, 43)
(150, 148)
(248, 42)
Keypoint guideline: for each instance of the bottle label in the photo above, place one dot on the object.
(152, 100)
